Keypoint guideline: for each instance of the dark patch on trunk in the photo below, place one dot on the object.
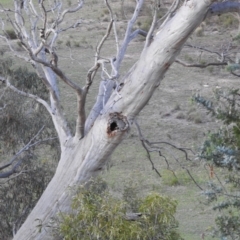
(167, 65)
(116, 123)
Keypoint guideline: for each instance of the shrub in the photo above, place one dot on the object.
(10, 34)
(98, 215)
(68, 43)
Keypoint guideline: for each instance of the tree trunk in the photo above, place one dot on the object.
(82, 159)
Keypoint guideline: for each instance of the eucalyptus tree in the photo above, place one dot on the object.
(119, 100)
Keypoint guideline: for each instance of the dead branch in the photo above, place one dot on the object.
(222, 57)
(200, 65)
(151, 147)
(54, 68)
(235, 74)
(92, 71)
(145, 147)
(203, 49)
(68, 10)
(153, 25)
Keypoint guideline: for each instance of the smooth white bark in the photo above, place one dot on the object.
(84, 158)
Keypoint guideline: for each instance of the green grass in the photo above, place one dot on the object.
(6, 3)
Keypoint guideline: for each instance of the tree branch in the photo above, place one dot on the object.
(107, 85)
(81, 115)
(199, 65)
(235, 74)
(145, 147)
(68, 10)
(153, 25)
(150, 147)
(128, 33)
(22, 93)
(93, 70)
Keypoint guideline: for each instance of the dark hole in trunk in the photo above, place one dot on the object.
(113, 126)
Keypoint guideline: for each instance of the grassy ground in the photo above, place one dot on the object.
(169, 116)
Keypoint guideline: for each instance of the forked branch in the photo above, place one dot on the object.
(154, 23)
(156, 147)
(98, 61)
(223, 57)
(106, 86)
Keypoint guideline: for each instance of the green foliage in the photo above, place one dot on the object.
(228, 20)
(98, 215)
(221, 149)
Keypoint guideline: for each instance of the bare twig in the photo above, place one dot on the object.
(92, 71)
(223, 56)
(18, 160)
(55, 69)
(202, 49)
(68, 10)
(145, 147)
(150, 147)
(235, 74)
(200, 65)
(153, 25)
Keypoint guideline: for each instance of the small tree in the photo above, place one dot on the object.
(98, 215)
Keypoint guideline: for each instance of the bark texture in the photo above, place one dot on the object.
(82, 159)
